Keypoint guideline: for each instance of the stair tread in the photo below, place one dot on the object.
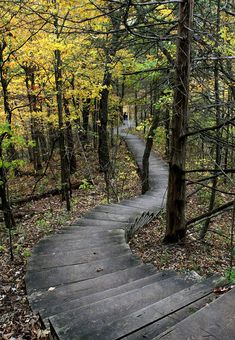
(85, 221)
(40, 298)
(60, 275)
(59, 258)
(214, 321)
(152, 330)
(98, 296)
(153, 314)
(95, 315)
(107, 216)
(83, 234)
(52, 246)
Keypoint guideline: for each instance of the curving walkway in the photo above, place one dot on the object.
(86, 284)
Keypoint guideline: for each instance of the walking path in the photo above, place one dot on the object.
(86, 284)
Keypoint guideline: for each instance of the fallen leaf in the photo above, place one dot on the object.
(99, 270)
(51, 289)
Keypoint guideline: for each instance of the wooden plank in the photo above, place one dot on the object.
(61, 275)
(79, 289)
(54, 309)
(107, 216)
(118, 209)
(154, 329)
(151, 314)
(151, 205)
(215, 321)
(61, 258)
(91, 222)
(58, 246)
(94, 228)
(83, 234)
(79, 321)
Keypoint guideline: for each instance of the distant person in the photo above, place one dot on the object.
(125, 116)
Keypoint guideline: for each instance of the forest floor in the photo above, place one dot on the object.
(42, 218)
(206, 257)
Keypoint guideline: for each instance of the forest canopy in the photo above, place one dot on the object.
(69, 66)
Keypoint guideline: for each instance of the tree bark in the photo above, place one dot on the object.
(94, 123)
(176, 227)
(63, 157)
(147, 151)
(218, 118)
(30, 86)
(103, 148)
(70, 142)
(136, 109)
(85, 118)
(7, 212)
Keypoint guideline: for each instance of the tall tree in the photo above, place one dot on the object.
(176, 227)
(218, 121)
(59, 96)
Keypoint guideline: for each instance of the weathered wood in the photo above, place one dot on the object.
(59, 258)
(107, 216)
(42, 298)
(154, 329)
(62, 275)
(83, 234)
(87, 221)
(214, 321)
(81, 321)
(51, 246)
(154, 313)
(92, 298)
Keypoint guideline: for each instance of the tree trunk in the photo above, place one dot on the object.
(147, 151)
(85, 118)
(63, 157)
(167, 132)
(103, 148)
(7, 213)
(37, 162)
(70, 142)
(218, 121)
(94, 123)
(176, 227)
(30, 86)
(8, 216)
(136, 109)
(43, 143)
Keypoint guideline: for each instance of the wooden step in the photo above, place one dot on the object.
(48, 247)
(155, 316)
(60, 258)
(49, 311)
(60, 294)
(92, 222)
(152, 330)
(107, 216)
(77, 322)
(214, 321)
(83, 234)
(52, 277)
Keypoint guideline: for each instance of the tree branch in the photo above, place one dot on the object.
(210, 213)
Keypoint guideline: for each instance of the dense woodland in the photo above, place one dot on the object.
(69, 70)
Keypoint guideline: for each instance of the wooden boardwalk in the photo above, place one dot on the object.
(86, 284)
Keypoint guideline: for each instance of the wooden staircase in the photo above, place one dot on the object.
(86, 284)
